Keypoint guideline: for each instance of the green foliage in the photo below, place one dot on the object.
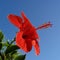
(13, 52)
(0, 58)
(1, 36)
(11, 49)
(20, 57)
(0, 46)
(8, 50)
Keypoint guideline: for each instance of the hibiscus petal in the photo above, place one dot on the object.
(26, 21)
(29, 44)
(36, 46)
(23, 44)
(29, 28)
(16, 20)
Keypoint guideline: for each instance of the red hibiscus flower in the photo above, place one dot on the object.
(27, 35)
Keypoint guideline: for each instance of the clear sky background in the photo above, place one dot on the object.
(39, 12)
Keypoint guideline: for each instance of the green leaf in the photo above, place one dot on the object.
(4, 43)
(1, 36)
(0, 58)
(11, 49)
(13, 41)
(14, 52)
(0, 46)
(20, 57)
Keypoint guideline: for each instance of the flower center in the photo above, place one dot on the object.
(25, 36)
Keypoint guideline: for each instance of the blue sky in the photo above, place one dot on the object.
(39, 12)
